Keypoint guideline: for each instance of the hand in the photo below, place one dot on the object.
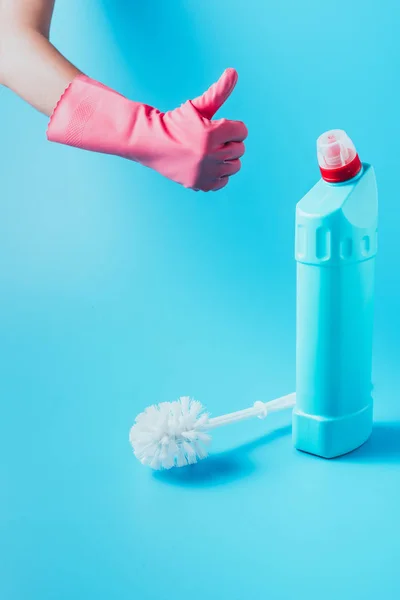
(184, 144)
(210, 151)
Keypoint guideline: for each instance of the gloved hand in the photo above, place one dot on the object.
(184, 144)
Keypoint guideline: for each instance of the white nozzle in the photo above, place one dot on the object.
(335, 149)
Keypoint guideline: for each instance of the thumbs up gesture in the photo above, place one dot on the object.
(185, 144)
(215, 146)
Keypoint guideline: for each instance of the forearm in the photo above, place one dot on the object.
(29, 63)
(186, 144)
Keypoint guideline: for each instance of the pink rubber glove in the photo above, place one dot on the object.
(184, 144)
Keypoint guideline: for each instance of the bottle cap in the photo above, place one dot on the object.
(337, 157)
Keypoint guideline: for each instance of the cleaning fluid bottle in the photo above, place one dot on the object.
(336, 244)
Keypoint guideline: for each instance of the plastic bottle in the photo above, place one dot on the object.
(336, 244)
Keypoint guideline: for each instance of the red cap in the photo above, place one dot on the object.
(337, 157)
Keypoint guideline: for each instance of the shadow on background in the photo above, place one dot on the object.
(382, 447)
(163, 48)
(222, 468)
(168, 58)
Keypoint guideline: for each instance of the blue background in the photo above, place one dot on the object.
(120, 289)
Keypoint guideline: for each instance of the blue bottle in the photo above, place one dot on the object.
(336, 244)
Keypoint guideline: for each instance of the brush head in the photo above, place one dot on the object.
(171, 434)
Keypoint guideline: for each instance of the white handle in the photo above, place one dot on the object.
(259, 409)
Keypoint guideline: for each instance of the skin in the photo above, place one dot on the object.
(29, 64)
(36, 71)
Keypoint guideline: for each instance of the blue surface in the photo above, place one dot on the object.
(120, 289)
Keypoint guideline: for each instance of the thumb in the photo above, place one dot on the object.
(212, 100)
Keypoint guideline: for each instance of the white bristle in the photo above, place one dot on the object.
(171, 434)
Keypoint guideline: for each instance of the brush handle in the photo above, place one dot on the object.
(259, 409)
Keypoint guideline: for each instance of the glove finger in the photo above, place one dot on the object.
(230, 151)
(229, 168)
(221, 183)
(229, 131)
(211, 101)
